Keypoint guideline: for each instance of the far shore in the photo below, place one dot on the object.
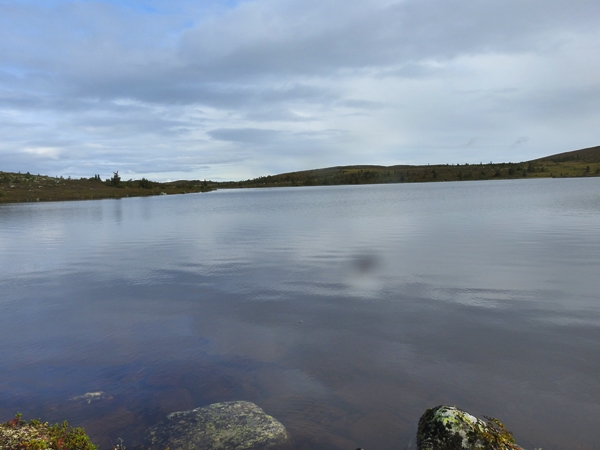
(19, 187)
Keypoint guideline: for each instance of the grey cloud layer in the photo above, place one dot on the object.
(96, 50)
(407, 81)
(317, 37)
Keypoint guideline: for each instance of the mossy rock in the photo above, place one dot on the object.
(220, 426)
(449, 428)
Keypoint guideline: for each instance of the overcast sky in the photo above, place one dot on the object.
(201, 89)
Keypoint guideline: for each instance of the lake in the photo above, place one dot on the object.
(343, 311)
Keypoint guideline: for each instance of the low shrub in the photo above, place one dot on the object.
(17, 434)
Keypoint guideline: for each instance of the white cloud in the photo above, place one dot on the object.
(215, 90)
(43, 152)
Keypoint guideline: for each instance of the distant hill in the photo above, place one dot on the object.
(587, 155)
(17, 187)
(578, 163)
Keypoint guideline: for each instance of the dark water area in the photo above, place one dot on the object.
(342, 311)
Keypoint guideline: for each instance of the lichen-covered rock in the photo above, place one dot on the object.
(220, 426)
(449, 428)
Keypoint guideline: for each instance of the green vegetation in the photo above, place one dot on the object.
(17, 187)
(145, 184)
(16, 434)
(579, 163)
(115, 180)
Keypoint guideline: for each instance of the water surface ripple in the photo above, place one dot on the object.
(343, 311)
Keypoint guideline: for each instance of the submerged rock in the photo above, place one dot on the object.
(220, 426)
(449, 428)
(90, 397)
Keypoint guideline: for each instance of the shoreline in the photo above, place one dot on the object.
(23, 188)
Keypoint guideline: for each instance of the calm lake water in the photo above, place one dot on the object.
(342, 311)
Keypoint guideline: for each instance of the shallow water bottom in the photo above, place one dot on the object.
(342, 312)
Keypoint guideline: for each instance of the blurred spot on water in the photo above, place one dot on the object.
(363, 273)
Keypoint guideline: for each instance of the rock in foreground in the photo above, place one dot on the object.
(449, 428)
(220, 426)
